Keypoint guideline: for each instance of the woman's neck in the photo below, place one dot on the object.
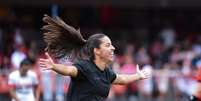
(100, 64)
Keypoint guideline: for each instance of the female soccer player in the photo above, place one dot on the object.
(91, 77)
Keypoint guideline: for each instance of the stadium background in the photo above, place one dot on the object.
(165, 34)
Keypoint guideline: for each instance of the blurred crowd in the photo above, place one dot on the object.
(174, 59)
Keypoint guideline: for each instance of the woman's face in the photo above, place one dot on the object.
(106, 50)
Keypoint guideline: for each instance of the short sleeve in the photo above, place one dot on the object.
(112, 75)
(82, 67)
(34, 79)
(11, 80)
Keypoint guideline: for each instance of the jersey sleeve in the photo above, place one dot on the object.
(11, 80)
(34, 78)
(112, 75)
(82, 67)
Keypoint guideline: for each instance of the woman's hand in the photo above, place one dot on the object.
(47, 64)
(144, 73)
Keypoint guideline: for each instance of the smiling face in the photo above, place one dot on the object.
(105, 52)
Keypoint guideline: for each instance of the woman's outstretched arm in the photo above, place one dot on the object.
(48, 64)
(128, 78)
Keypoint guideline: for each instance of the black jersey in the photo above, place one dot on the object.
(91, 84)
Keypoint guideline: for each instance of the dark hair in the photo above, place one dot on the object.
(64, 40)
(25, 62)
(93, 42)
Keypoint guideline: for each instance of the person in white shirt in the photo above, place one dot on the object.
(17, 57)
(24, 83)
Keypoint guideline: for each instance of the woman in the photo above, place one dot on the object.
(91, 78)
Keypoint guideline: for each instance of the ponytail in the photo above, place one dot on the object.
(62, 40)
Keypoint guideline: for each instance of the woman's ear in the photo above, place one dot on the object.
(96, 51)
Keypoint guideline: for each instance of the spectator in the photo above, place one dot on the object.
(17, 56)
(168, 36)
